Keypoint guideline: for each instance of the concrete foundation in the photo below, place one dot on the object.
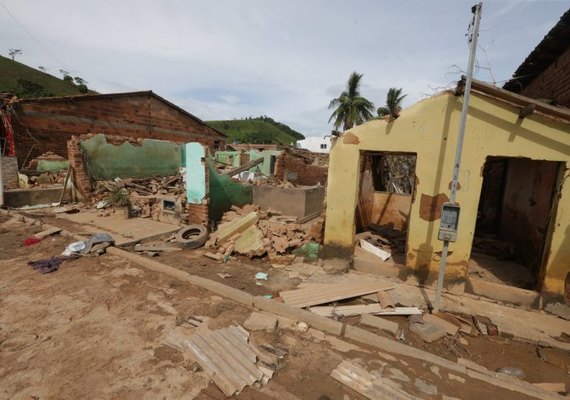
(31, 197)
(298, 201)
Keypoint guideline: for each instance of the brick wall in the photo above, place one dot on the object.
(553, 82)
(307, 173)
(10, 172)
(47, 125)
(80, 176)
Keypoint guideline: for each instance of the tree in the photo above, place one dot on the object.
(14, 52)
(43, 69)
(393, 106)
(350, 108)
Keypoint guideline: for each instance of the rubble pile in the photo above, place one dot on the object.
(45, 179)
(145, 195)
(254, 232)
(385, 237)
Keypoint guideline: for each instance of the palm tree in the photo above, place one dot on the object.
(350, 108)
(393, 105)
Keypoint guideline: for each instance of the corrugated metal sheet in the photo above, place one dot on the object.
(366, 384)
(227, 358)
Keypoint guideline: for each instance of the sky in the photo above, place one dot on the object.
(226, 59)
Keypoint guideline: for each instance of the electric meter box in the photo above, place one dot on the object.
(449, 222)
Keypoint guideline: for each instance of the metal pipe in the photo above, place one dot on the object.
(458, 151)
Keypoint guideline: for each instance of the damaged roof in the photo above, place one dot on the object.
(556, 42)
(527, 105)
(80, 97)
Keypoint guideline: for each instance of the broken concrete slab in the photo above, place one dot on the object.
(428, 331)
(450, 328)
(250, 242)
(260, 322)
(380, 323)
(508, 294)
(227, 230)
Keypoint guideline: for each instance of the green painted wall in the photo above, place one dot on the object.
(224, 193)
(234, 158)
(52, 165)
(151, 158)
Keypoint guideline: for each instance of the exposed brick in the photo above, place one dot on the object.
(307, 174)
(553, 83)
(42, 126)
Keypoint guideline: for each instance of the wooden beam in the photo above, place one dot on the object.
(244, 167)
(526, 111)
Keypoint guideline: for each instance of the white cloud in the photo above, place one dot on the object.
(229, 59)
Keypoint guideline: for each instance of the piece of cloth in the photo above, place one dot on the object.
(74, 247)
(32, 240)
(52, 264)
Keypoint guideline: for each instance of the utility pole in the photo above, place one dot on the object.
(450, 211)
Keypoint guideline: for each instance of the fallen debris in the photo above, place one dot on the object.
(254, 232)
(556, 387)
(370, 386)
(310, 297)
(376, 309)
(450, 328)
(47, 232)
(380, 323)
(227, 358)
(428, 332)
(382, 254)
(260, 322)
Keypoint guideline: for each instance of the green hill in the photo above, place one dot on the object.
(257, 130)
(27, 82)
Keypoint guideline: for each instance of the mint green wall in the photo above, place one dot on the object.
(150, 158)
(194, 162)
(224, 193)
(226, 156)
(52, 165)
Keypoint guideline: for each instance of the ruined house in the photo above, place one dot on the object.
(545, 73)
(46, 124)
(515, 218)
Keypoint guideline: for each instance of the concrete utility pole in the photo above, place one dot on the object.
(474, 34)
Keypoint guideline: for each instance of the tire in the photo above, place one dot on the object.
(192, 236)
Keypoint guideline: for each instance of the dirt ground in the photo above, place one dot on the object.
(97, 329)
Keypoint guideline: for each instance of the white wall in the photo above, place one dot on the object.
(317, 144)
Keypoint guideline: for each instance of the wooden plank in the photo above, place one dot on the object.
(47, 232)
(153, 247)
(311, 297)
(376, 309)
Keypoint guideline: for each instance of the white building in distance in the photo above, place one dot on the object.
(316, 144)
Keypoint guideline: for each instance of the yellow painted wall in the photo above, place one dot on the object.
(429, 128)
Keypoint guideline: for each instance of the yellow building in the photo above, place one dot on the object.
(514, 192)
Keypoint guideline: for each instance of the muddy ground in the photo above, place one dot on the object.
(97, 329)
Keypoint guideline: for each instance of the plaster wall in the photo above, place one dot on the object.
(391, 208)
(429, 129)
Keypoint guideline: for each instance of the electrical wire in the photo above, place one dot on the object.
(61, 65)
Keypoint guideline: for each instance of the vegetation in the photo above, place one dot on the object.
(263, 130)
(393, 106)
(350, 108)
(14, 52)
(27, 82)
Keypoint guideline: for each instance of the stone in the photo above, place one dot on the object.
(260, 322)
(425, 387)
(380, 323)
(448, 326)
(435, 370)
(456, 378)
(428, 332)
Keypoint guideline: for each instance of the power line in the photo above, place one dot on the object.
(61, 65)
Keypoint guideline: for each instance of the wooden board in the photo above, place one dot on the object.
(47, 232)
(376, 309)
(311, 297)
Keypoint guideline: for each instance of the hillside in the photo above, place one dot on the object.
(257, 130)
(27, 82)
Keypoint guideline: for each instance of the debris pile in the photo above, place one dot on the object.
(253, 232)
(385, 238)
(145, 195)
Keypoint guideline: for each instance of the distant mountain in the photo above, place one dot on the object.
(257, 130)
(27, 82)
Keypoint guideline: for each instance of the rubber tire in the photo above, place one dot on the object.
(192, 236)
